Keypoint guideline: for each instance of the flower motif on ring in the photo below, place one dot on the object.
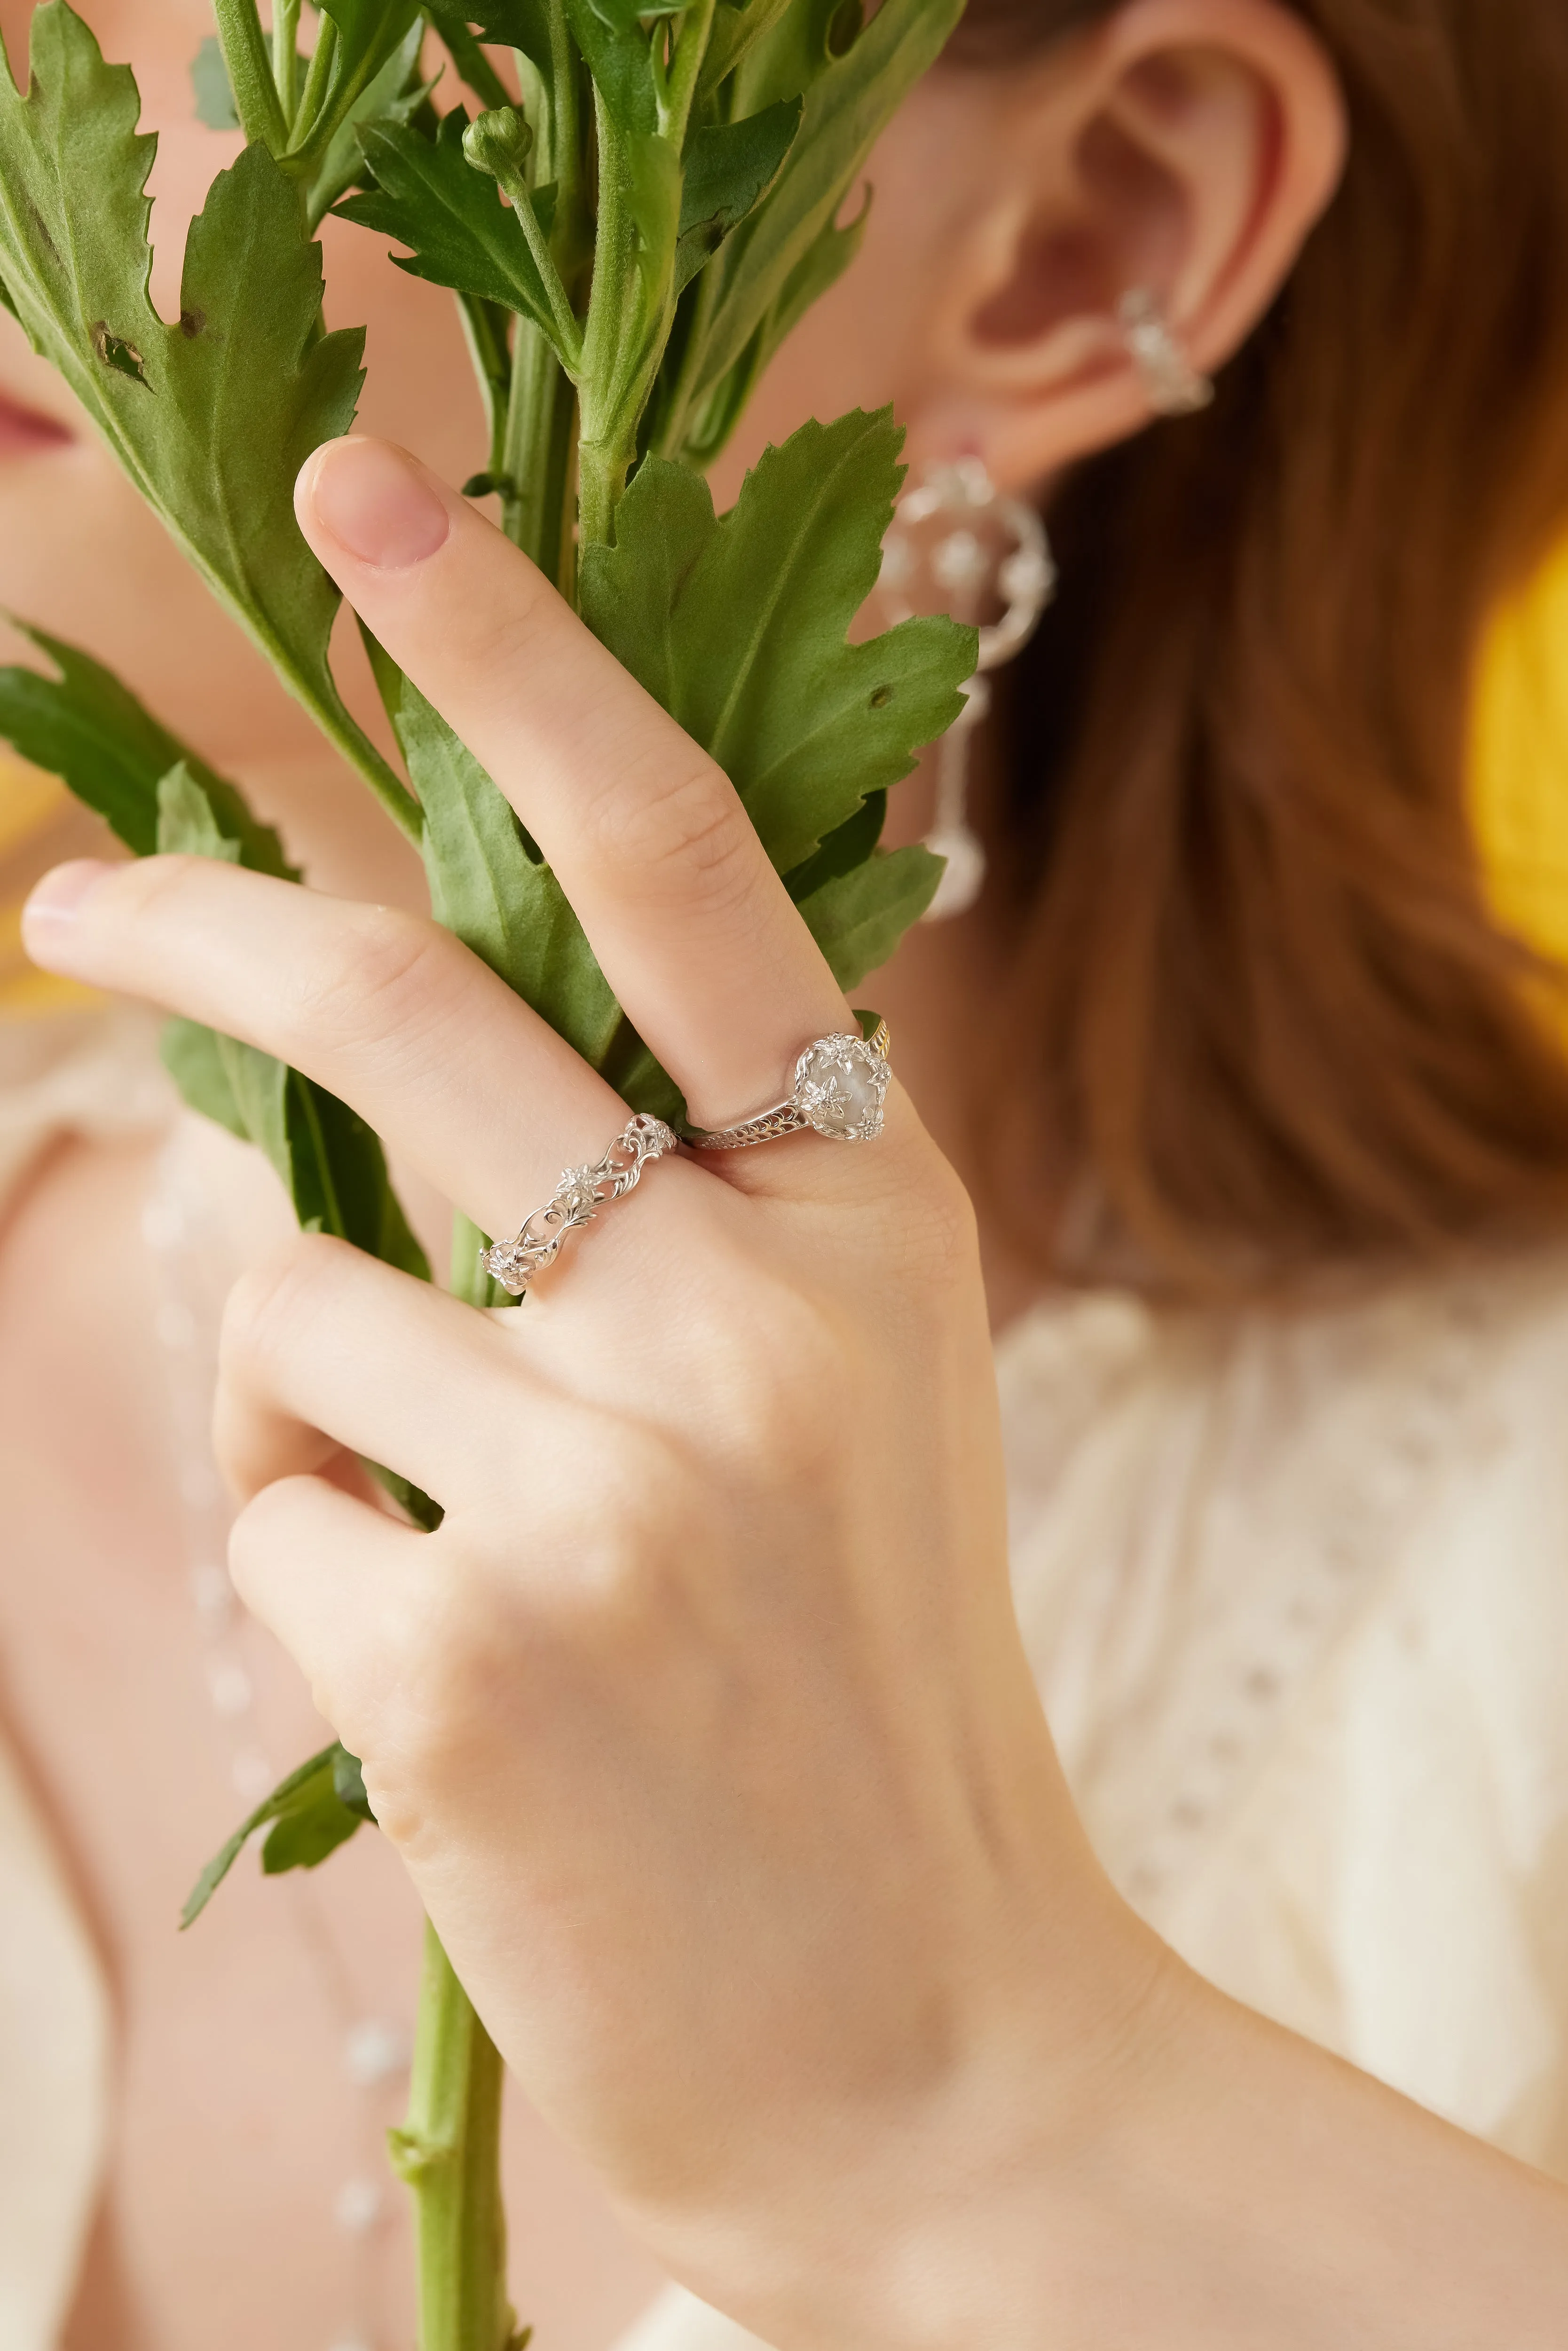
(840, 1088)
(577, 1194)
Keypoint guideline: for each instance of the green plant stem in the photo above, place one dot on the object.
(566, 326)
(317, 83)
(484, 330)
(286, 56)
(561, 157)
(448, 2152)
(537, 456)
(244, 46)
(673, 430)
(356, 747)
(609, 438)
(674, 101)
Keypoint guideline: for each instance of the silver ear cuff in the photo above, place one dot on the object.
(1173, 385)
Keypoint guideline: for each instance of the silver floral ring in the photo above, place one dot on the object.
(841, 1085)
(575, 1202)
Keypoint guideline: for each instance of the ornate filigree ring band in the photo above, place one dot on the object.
(576, 1201)
(841, 1085)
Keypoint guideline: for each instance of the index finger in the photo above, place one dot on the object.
(694, 930)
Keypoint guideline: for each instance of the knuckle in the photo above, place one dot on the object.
(687, 832)
(149, 882)
(374, 979)
(262, 1530)
(603, 1577)
(272, 1303)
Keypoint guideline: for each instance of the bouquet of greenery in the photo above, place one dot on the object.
(633, 204)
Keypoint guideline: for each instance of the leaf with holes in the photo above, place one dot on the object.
(211, 416)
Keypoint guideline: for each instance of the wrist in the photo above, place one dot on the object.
(969, 2211)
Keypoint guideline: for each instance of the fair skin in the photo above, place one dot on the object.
(702, 1726)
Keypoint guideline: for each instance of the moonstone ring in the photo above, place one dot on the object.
(576, 1201)
(841, 1085)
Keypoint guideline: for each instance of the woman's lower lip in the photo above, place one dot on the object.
(23, 430)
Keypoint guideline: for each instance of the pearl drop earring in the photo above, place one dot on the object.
(949, 528)
(1173, 385)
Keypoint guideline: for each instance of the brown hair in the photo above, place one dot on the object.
(1277, 1029)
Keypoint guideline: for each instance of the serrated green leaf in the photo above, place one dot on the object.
(487, 886)
(303, 1839)
(349, 1784)
(511, 24)
(211, 87)
(328, 1161)
(728, 169)
(621, 60)
(738, 627)
(369, 33)
(393, 95)
(468, 57)
(429, 197)
(841, 852)
(822, 264)
(338, 1177)
(858, 918)
(86, 728)
(847, 104)
(89, 729)
(193, 1057)
(187, 826)
(736, 32)
(792, 52)
(315, 1810)
(218, 411)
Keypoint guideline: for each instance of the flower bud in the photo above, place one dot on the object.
(499, 142)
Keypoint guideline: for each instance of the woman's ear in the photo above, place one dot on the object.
(1184, 149)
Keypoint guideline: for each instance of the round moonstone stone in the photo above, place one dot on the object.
(840, 1084)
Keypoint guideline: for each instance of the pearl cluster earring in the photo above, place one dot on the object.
(958, 542)
(957, 537)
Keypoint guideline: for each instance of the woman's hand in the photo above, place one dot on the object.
(703, 1722)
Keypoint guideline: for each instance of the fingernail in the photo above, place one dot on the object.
(376, 503)
(49, 912)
